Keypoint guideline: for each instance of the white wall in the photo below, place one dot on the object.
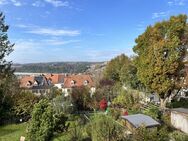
(59, 85)
(179, 121)
(66, 91)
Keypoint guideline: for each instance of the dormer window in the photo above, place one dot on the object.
(86, 82)
(73, 83)
(36, 83)
(29, 83)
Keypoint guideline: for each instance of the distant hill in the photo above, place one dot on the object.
(55, 67)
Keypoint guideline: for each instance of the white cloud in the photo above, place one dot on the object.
(16, 3)
(11, 2)
(3, 2)
(24, 44)
(48, 31)
(59, 42)
(160, 14)
(38, 3)
(29, 50)
(54, 32)
(21, 26)
(58, 3)
(176, 2)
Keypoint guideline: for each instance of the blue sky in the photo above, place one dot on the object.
(81, 30)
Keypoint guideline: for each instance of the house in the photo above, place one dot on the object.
(133, 122)
(179, 119)
(79, 80)
(36, 84)
(56, 79)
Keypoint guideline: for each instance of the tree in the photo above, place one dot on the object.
(113, 68)
(62, 104)
(23, 105)
(129, 78)
(122, 70)
(81, 98)
(54, 92)
(160, 52)
(128, 100)
(41, 125)
(106, 89)
(7, 79)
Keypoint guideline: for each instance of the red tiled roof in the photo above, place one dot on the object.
(24, 80)
(55, 78)
(78, 80)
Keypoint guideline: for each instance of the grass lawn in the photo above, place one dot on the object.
(12, 132)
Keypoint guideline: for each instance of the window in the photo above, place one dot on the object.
(73, 83)
(86, 82)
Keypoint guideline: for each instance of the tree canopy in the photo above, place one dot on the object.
(160, 52)
(113, 68)
(122, 70)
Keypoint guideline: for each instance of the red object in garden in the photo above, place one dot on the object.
(103, 104)
(125, 113)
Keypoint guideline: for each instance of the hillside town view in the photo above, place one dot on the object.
(93, 70)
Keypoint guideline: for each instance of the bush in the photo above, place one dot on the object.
(104, 128)
(41, 125)
(23, 105)
(178, 136)
(183, 102)
(115, 113)
(165, 118)
(63, 104)
(152, 111)
(144, 134)
(76, 134)
(60, 124)
(127, 99)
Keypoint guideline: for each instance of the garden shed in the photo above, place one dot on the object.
(137, 120)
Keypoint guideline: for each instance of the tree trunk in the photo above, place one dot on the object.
(163, 103)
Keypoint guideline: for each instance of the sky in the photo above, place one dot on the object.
(81, 30)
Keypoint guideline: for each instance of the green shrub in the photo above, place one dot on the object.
(115, 113)
(144, 134)
(41, 125)
(152, 111)
(60, 122)
(183, 102)
(178, 136)
(104, 128)
(63, 104)
(76, 134)
(23, 105)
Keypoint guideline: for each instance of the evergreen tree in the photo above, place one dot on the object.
(41, 125)
(7, 79)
